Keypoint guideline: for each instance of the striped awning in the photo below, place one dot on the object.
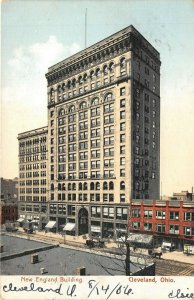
(69, 227)
(50, 224)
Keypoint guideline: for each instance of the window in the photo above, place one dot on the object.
(95, 153)
(122, 149)
(122, 197)
(122, 103)
(95, 143)
(122, 172)
(122, 115)
(95, 101)
(109, 174)
(109, 141)
(174, 215)
(173, 229)
(121, 213)
(95, 164)
(136, 225)
(109, 119)
(109, 129)
(83, 125)
(83, 145)
(83, 135)
(122, 161)
(122, 91)
(160, 214)
(108, 107)
(122, 138)
(147, 226)
(83, 155)
(108, 212)
(109, 163)
(95, 122)
(160, 228)
(147, 213)
(83, 115)
(83, 105)
(96, 211)
(109, 152)
(123, 62)
(122, 126)
(136, 212)
(122, 185)
(108, 97)
(189, 216)
(188, 231)
(95, 111)
(83, 165)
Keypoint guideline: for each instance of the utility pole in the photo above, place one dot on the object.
(127, 259)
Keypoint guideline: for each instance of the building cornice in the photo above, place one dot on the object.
(117, 44)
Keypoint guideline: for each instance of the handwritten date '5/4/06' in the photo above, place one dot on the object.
(97, 288)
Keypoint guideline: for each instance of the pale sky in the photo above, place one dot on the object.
(37, 34)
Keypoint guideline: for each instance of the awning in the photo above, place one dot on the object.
(50, 224)
(35, 221)
(121, 230)
(95, 229)
(69, 227)
(20, 220)
(140, 239)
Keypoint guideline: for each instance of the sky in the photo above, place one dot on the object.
(38, 34)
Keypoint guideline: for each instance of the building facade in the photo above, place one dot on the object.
(9, 200)
(103, 133)
(33, 157)
(167, 220)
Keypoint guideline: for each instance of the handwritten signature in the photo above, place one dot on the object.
(178, 294)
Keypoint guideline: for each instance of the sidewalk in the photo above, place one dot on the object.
(112, 247)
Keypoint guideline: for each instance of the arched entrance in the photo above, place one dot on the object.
(82, 221)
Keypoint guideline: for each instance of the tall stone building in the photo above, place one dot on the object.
(33, 177)
(103, 134)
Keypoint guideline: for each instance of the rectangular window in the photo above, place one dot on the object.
(122, 115)
(136, 212)
(160, 214)
(173, 229)
(122, 103)
(160, 228)
(148, 213)
(189, 216)
(148, 226)
(174, 215)
(122, 91)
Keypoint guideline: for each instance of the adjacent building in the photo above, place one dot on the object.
(168, 220)
(33, 157)
(9, 200)
(103, 133)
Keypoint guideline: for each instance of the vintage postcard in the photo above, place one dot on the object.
(97, 177)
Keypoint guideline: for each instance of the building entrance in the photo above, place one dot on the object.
(82, 221)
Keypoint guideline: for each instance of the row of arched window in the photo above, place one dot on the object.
(84, 186)
(92, 75)
(83, 104)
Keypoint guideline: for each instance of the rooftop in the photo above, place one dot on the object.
(62, 261)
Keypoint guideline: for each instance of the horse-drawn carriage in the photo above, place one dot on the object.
(94, 243)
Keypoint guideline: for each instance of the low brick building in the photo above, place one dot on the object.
(166, 220)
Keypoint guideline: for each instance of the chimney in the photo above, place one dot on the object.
(42, 270)
(34, 258)
(81, 271)
(1, 248)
